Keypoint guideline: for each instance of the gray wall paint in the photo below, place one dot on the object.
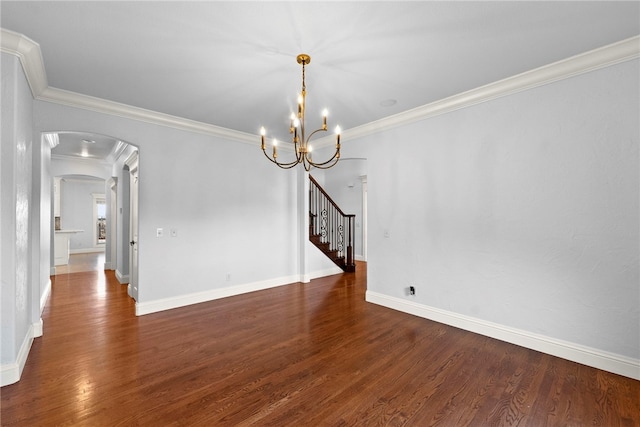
(76, 210)
(20, 290)
(521, 211)
(235, 214)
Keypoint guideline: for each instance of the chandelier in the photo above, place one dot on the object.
(300, 141)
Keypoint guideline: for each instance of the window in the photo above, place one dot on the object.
(100, 219)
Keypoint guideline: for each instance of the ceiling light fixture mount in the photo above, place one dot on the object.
(300, 141)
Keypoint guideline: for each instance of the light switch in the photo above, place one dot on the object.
(159, 232)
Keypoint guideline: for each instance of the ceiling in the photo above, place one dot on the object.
(87, 145)
(233, 64)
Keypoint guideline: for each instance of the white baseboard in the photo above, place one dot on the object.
(85, 251)
(149, 307)
(107, 266)
(122, 278)
(37, 328)
(143, 308)
(306, 278)
(52, 271)
(10, 372)
(45, 296)
(593, 357)
(359, 258)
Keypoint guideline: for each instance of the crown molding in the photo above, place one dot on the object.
(612, 54)
(77, 100)
(117, 151)
(30, 57)
(53, 139)
(32, 62)
(66, 157)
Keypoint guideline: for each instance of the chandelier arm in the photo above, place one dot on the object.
(314, 132)
(324, 165)
(282, 165)
(335, 157)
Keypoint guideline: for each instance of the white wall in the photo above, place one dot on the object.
(20, 291)
(77, 210)
(234, 213)
(518, 213)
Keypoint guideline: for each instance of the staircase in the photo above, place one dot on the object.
(330, 229)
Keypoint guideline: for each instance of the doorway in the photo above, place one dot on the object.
(91, 154)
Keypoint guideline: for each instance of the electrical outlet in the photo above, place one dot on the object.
(159, 232)
(412, 290)
(228, 277)
(174, 232)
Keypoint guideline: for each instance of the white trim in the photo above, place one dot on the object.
(605, 56)
(37, 328)
(143, 308)
(10, 373)
(30, 56)
(122, 278)
(45, 296)
(163, 304)
(52, 271)
(593, 357)
(85, 251)
(322, 273)
(77, 100)
(107, 266)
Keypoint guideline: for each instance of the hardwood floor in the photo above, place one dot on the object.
(296, 355)
(93, 261)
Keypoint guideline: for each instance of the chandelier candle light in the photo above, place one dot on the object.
(301, 145)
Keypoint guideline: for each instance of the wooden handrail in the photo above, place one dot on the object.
(330, 229)
(327, 196)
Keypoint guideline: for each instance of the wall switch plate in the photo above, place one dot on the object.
(174, 232)
(159, 232)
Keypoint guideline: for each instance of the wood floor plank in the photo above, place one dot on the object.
(303, 354)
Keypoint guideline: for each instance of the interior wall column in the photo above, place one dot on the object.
(302, 196)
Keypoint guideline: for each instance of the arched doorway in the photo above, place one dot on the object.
(91, 156)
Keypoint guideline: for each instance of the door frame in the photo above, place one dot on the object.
(133, 163)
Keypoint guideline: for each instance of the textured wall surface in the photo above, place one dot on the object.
(17, 146)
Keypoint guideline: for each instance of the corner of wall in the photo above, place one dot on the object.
(11, 372)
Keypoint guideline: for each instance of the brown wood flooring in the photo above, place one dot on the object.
(299, 355)
(92, 261)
